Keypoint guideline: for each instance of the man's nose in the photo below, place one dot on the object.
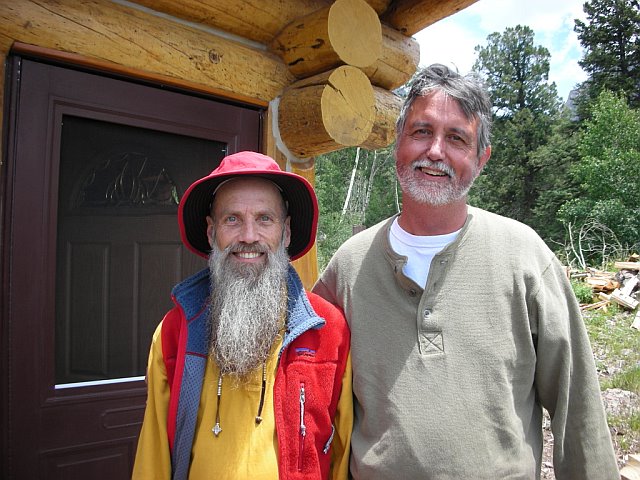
(435, 148)
(249, 232)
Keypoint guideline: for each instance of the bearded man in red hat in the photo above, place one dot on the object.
(249, 376)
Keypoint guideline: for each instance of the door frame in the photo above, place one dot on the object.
(18, 203)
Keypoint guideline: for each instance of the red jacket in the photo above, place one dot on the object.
(307, 385)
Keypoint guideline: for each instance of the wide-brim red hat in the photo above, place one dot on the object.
(195, 204)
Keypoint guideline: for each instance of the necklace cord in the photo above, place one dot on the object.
(264, 385)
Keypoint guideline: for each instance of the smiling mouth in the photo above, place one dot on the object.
(248, 255)
(432, 172)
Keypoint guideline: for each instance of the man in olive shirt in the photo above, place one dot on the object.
(463, 323)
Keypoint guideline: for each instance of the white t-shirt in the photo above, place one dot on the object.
(419, 250)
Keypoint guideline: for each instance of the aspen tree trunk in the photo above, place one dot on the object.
(375, 165)
(351, 182)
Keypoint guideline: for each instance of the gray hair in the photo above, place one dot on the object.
(468, 90)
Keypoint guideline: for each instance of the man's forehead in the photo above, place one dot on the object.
(437, 107)
(237, 188)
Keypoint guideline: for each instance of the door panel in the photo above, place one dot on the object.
(90, 251)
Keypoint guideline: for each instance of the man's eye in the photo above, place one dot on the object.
(420, 133)
(265, 218)
(457, 139)
(231, 219)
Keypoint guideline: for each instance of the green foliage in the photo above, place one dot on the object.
(332, 179)
(607, 172)
(627, 428)
(532, 144)
(554, 185)
(626, 380)
(611, 39)
(582, 291)
(517, 73)
(614, 342)
(616, 348)
(372, 198)
(333, 231)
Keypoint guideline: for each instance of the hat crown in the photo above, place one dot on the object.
(245, 162)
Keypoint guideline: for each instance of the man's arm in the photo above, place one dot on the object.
(321, 288)
(567, 385)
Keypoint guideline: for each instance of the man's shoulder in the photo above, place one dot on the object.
(507, 236)
(500, 224)
(362, 241)
(324, 308)
(335, 330)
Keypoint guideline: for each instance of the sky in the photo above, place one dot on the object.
(451, 41)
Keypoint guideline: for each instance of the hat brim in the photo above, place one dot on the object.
(195, 205)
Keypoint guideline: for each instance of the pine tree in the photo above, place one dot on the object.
(611, 39)
(526, 108)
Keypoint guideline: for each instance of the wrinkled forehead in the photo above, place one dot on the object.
(249, 186)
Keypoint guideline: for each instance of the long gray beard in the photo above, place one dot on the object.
(248, 304)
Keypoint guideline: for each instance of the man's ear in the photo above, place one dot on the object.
(210, 231)
(484, 158)
(286, 234)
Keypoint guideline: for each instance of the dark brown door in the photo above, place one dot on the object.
(90, 250)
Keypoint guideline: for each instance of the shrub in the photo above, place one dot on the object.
(582, 291)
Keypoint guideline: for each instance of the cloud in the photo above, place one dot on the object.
(451, 41)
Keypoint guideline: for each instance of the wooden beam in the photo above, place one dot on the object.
(327, 112)
(262, 20)
(387, 109)
(380, 6)
(131, 40)
(411, 16)
(257, 20)
(624, 300)
(327, 39)
(398, 60)
(627, 265)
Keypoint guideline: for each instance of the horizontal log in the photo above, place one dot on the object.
(262, 20)
(398, 60)
(109, 33)
(327, 112)
(327, 39)
(387, 109)
(627, 265)
(411, 16)
(380, 6)
(602, 284)
(257, 20)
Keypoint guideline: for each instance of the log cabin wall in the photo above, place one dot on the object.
(323, 70)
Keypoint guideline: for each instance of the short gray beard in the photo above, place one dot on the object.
(433, 194)
(248, 304)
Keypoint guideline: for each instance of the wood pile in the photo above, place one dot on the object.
(631, 470)
(620, 287)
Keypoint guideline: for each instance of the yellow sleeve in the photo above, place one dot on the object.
(343, 423)
(153, 459)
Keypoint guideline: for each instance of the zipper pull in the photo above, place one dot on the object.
(303, 428)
